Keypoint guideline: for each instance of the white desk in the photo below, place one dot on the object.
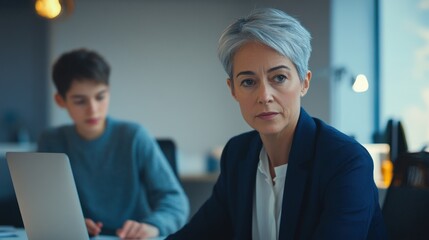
(10, 233)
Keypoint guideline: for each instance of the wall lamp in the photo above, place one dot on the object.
(53, 8)
(359, 82)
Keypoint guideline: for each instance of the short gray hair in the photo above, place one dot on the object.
(273, 28)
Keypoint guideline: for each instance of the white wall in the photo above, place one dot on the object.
(165, 71)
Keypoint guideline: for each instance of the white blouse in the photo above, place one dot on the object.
(267, 200)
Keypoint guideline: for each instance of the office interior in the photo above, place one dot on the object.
(166, 75)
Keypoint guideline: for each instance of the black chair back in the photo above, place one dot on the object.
(406, 206)
(168, 147)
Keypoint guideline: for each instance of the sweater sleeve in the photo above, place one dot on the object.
(169, 204)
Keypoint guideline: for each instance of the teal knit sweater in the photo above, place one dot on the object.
(121, 175)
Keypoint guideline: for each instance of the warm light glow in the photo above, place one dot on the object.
(48, 8)
(360, 84)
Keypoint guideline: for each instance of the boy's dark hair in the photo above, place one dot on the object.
(79, 65)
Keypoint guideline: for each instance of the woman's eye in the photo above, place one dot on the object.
(247, 83)
(280, 78)
(99, 98)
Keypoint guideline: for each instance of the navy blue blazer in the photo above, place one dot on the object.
(329, 190)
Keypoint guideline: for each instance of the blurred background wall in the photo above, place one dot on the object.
(165, 71)
(166, 75)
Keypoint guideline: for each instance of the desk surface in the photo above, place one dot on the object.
(11, 233)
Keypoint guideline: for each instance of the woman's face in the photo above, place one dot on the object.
(267, 87)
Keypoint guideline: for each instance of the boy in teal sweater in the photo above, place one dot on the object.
(125, 184)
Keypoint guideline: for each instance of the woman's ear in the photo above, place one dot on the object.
(306, 84)
(231, 87)
(60, 100)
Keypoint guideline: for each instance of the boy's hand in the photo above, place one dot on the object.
(94, 228)
(133, 229)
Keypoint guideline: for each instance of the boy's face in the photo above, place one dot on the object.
(87, 103)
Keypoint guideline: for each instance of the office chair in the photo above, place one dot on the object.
(395, 136)
(168, 147)
(406, 206)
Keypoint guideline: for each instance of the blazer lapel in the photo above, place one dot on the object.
(247, 183)
(300, 160)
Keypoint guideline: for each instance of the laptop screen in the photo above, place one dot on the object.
(47, 195)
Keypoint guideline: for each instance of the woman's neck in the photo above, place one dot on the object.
(278, 145)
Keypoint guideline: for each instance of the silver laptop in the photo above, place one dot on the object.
(47, 196)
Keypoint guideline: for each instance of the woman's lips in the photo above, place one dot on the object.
(267, 115)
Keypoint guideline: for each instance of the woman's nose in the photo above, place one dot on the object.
(265, 93)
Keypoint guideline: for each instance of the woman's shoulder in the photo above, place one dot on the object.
(337, 145)
(334, 137)
(242, 145)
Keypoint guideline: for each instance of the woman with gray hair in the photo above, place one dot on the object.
(293, 177)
